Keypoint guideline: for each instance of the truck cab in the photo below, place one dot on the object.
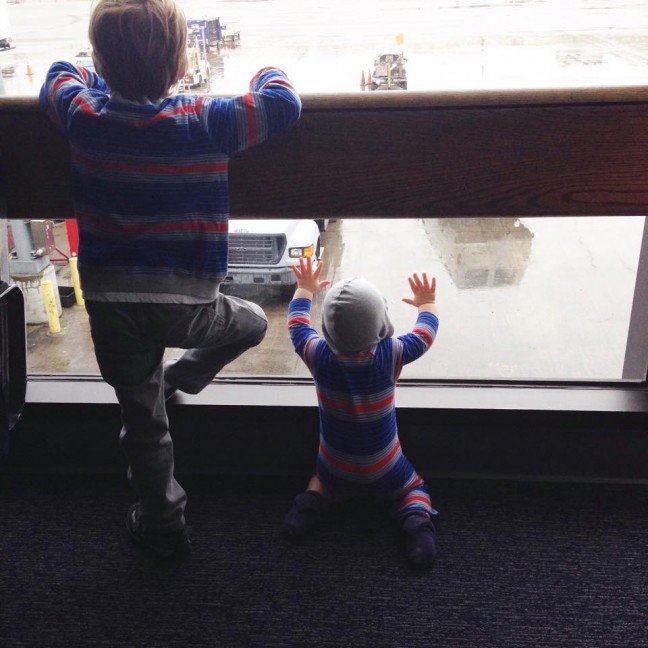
(261, 252)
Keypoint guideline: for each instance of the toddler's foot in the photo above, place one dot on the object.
(305, 514)
(420, 541)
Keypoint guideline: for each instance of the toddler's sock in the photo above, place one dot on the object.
(305, 514)
(420, 540)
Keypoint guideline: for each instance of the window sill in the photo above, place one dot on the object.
(410, 395)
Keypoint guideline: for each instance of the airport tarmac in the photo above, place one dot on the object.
(325, 47)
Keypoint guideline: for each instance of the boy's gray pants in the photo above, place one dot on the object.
(129, 341)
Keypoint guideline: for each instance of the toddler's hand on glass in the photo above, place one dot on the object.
(423, 290)
(309, 278)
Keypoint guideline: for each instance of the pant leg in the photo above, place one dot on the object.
(415, 500)
(129, 354)
(147, 444)
(219, 334)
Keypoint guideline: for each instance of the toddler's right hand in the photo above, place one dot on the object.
(423, 290)
(307, 278)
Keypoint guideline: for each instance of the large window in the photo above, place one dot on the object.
(532, 298)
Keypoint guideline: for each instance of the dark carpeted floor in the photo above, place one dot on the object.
(521, 564)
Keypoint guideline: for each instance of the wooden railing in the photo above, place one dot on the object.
(529, 153)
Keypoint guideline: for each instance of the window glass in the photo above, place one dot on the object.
(529, 298)
(341, 46)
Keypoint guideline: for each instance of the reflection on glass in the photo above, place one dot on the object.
(341, 46)
(534, 298)
(479, 252)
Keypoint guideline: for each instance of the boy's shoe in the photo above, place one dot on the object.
(305, 515)
(420, 541)
(165, 545)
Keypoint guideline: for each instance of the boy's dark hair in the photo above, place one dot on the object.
(139, 46)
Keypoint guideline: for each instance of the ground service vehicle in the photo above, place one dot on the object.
(207, 32)
(262, 251)
(198, 69)
(389, 73)
(231, 34)
(5, 27)
(210, 33)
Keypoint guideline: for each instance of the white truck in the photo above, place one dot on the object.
(5, 27)
(262, 251)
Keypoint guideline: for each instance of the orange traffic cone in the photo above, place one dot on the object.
(29, 70)
(369, 80)
(362, 81)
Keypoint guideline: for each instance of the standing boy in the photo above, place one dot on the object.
(150, 184)
(355, 366)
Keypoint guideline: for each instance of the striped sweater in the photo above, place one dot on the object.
(150, 180)
(359, 445)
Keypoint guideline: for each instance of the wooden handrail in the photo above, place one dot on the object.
(505, 153)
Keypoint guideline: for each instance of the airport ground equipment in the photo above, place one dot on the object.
(389, 73)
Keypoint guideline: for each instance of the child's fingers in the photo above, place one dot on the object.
(417, 281)
(409, 301)
(296, 270)
(318, 269)
(412, 284)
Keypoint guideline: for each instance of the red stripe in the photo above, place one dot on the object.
(298, 320)
(165, 114)
(164, 227)
(417, 482)
(83, 105)
(355, 408)
(362, 470)
(165, 169)
(360, 354)
(248, 100)
(62, 79)
(416, 498)
(424, 334)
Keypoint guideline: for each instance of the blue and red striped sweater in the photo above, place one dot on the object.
(150, 180)
(359, 443)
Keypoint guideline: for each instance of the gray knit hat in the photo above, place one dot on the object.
(354, 316)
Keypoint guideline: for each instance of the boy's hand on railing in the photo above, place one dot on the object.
(423, 291)
(308, 279)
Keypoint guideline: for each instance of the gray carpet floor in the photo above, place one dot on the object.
(520, 564)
